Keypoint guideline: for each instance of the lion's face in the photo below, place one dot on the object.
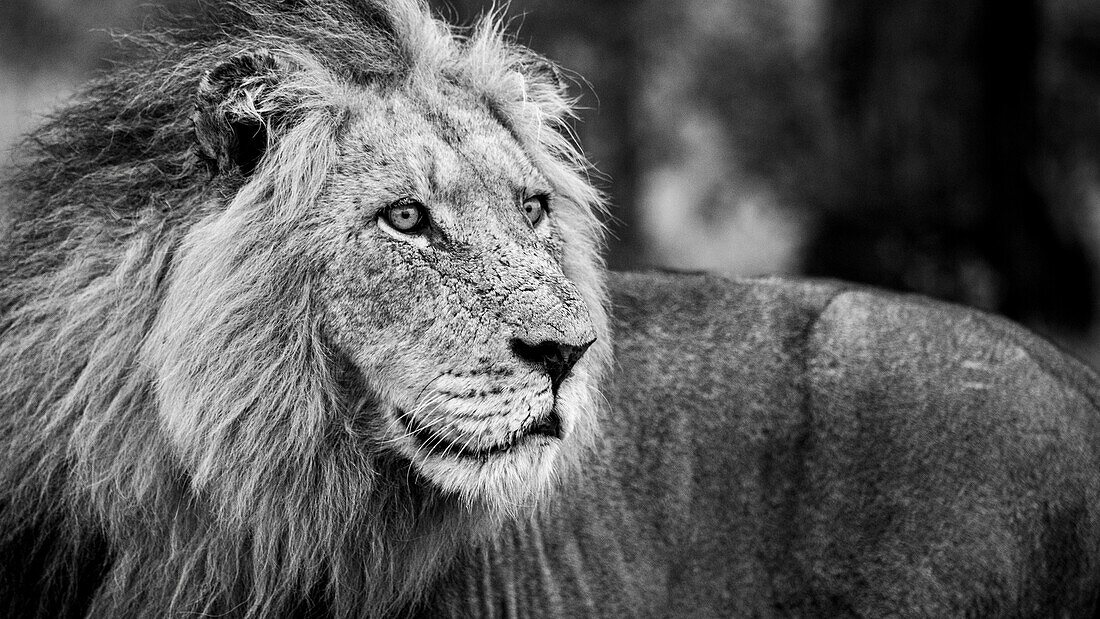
(444, 286)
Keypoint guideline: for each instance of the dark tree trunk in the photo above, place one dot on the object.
(1050, 276)
(939, 190)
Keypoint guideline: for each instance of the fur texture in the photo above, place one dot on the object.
(211, 344)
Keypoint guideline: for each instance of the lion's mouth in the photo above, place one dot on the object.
(548, 427)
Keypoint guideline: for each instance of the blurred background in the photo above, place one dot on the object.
(948, 147)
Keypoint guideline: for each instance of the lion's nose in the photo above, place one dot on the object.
(555, 358)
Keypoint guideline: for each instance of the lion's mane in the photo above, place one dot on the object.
(274, 507)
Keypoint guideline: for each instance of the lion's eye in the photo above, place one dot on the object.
(535, 208)
(406, 216)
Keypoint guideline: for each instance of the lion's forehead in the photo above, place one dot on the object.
(435, 145)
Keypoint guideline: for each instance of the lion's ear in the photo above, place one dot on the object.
(238, 104)
(542, 71)
(544, 86)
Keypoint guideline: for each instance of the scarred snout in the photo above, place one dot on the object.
(548, 324)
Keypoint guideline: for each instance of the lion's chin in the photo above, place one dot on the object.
(510, 476)
(504, 478)
(505, 481)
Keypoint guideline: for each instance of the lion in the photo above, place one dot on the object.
(303, 313)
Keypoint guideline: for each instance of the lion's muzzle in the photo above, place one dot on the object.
(555, 358)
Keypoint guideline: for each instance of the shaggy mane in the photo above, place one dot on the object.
(98, 390)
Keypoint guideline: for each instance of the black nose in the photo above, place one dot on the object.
(555, 358)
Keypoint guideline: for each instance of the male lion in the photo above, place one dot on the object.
(303, 314)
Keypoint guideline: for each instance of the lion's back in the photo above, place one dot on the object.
(958, 462)
(872, 452)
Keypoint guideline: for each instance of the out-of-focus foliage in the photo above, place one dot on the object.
(951, 148)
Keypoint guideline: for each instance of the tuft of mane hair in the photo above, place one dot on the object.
(289, 517)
